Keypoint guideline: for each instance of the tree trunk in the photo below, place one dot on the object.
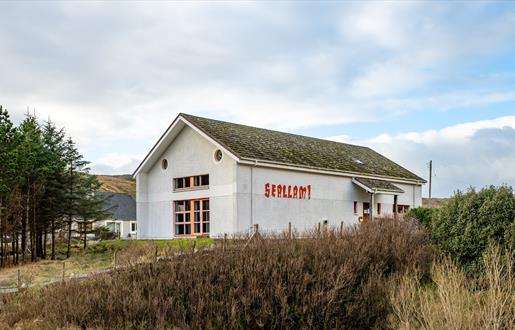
(16, 248)
(69, 236)
(24, 228)
(53, 238)
(70, 212)
(2, 232)
(43, 244)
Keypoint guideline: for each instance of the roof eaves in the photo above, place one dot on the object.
(254, 161)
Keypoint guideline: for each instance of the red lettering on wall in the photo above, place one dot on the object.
(267, 190)
(302, 192)
(287, 191)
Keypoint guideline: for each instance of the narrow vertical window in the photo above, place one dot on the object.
(378, 208)
(355, 207)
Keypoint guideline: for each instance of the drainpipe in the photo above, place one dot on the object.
(252, 194)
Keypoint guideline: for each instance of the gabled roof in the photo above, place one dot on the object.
(247, 143)
(122, 206)
(377, 186)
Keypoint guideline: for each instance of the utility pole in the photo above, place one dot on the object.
(430, 177)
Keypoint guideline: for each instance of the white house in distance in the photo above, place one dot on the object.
(206, 177)
(123, 214)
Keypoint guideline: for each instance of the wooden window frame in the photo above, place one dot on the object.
(191, 182)
(194, 221)
(401, 208)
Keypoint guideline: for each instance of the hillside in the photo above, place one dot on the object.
(436, 203)
(118, 184)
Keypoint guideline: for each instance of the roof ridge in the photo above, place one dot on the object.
(275, 131)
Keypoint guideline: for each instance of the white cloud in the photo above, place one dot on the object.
(116, 74)
(116, 164)
(471, 154)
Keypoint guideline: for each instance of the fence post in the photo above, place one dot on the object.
(289, 231)
(341, 229)
(114, 259)
(256, 228)
(155, 254)
(318, 229)
(19, 280)
(224, 243)
(63, 269)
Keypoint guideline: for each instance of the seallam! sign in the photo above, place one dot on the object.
(287, 191)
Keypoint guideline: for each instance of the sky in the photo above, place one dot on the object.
(416, 81)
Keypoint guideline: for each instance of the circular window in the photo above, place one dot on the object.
(164, 164)
(218, 155)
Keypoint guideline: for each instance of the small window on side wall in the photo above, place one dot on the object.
(378, 208)
(355, 207)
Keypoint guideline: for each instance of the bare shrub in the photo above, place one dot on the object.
(330, 279)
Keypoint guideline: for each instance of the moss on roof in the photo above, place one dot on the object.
(251, 143)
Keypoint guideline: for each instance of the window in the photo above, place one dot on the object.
(401, 208)
(355, 207)
(89, 226)
(164, 164)
(113, 226)
(378, 208)
(218, 155)
(191, 182)
(192, 217)
(133, 226)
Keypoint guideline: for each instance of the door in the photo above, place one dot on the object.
(366, 212)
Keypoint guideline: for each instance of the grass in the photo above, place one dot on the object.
(455, 301)
(97, 256)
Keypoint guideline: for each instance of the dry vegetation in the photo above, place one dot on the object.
(455, 301)
(331, 280)
(118, 184)
(98, 256)
(380, 275)
(435, 202)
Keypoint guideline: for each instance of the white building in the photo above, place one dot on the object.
(206, 177)
(122, 221)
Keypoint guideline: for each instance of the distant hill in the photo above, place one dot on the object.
(118, 184)
(436, 203)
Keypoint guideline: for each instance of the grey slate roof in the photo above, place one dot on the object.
(253, 143)
(379, 185)
(122, 206)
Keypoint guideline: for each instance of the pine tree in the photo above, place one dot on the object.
(76, 166)
(7, 139)
(52, 207)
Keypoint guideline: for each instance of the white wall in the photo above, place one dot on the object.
(232, 185)
(189, 154)
(332, 199)
(125, 227)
